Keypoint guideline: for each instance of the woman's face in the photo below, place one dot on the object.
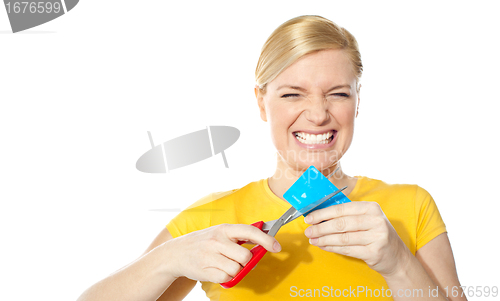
(311, 108)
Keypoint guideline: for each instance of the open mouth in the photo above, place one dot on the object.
(307, 138)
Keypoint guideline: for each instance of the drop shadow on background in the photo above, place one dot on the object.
(25, 32)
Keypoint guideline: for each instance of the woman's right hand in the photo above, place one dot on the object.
(213, 254)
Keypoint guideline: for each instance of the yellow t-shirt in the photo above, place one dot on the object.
(300, 269)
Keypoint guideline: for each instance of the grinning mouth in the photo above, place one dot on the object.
(307, 138)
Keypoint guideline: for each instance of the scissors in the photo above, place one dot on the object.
(271, 228)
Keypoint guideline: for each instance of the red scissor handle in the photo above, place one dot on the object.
(257, 253)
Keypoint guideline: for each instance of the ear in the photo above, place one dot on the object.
(260, 103)
(359, 100)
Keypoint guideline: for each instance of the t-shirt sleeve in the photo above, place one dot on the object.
(429, 221)
(194, 218)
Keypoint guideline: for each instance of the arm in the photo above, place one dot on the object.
(437, 259)
(142, 279)
(432, 266)
(181, 287)
(170, 267)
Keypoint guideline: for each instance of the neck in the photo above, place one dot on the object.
(285, 175)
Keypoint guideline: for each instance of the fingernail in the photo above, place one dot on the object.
(277, 246)
(308, 232)
(308, 219)
(313, 241)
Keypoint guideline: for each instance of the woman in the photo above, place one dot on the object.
(389, 242)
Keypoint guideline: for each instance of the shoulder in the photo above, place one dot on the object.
(393, 196)
(210, 210)
(378, 188)
(223, 198)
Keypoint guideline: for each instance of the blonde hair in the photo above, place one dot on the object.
(300, 36)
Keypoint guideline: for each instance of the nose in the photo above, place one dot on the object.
(317, 110)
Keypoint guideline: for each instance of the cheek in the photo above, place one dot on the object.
(281, 117)
(345, 115)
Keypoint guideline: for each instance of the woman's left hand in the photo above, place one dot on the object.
(360, 230)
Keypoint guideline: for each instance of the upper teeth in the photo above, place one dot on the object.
(312, 138)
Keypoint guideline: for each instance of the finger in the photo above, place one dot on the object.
(251, 233)
(340, 225)
(236, 252)
(351, 208)
(225, 264)
(215, 275)
(352, 251)
(360, 238)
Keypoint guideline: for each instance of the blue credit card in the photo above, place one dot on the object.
(310, 187)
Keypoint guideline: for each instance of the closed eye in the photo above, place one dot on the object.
(341, 94)
(289, 95)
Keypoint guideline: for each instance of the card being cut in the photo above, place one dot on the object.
(310, 187)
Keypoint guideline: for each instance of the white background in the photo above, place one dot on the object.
(79, 94)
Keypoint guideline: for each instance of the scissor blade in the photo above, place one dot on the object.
(313, 205)
(282, 220)
(268, 225)
(292, 213)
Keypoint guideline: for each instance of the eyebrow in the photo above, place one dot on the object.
(303, 90)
